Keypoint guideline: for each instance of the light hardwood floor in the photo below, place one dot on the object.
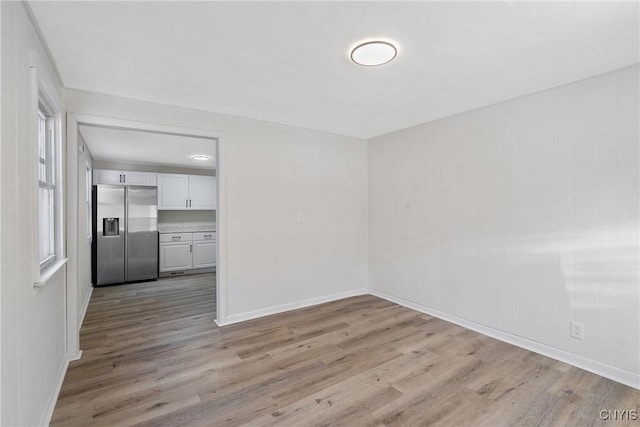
(153, 356)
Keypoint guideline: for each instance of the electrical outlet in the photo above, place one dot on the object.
(577, 330)
(300, 216)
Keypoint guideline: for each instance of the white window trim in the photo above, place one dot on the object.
(51, 164)
(44, 93)
(50, 271)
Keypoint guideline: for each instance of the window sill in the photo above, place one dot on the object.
(49, 272)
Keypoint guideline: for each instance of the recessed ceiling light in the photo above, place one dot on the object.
(201, 157)
(373, 53)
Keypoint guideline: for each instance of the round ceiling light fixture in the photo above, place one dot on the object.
(202, 157)
(373, 53)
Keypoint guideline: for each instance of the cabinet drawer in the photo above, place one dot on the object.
(208, 235)
(176, 237)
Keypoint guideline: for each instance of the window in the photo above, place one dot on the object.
(46, 186)
(88, 183)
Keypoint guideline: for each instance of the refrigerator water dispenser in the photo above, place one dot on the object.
(110, 226)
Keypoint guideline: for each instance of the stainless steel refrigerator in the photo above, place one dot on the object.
(125, 229)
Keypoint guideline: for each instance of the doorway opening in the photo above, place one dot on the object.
(143, 149)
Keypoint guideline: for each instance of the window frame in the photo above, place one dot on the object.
(46, 102)
(45, 96)
(50, 164)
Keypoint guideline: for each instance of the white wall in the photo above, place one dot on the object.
(519, 218)
(32, 336)
(274, 172)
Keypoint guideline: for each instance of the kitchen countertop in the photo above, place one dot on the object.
(186, 227)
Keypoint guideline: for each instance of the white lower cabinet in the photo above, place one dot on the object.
(204, 250)
(176, 256)
(187, 251)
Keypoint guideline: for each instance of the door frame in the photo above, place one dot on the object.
(74, 120)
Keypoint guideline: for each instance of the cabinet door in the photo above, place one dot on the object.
(202, 192)
(139, 178)
(105, 176)
(175, 256)
(173, 191)
(204, 254)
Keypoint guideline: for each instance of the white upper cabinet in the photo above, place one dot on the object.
(104, 176)
(119, 177)
(202, 192)
(173, 191)
(140, 178)
(186, 192)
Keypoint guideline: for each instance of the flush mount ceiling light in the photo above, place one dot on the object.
(373, 53)
(201, 157)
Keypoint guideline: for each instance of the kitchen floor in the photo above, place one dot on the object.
(136, 340)
(153, 356)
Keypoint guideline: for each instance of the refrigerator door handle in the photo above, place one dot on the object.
(191, 247)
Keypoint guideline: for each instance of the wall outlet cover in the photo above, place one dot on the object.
(577, 330)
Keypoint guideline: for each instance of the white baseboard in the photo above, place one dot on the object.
(53, 397)
(242, 317)
(85, 304)
(187, 272)
(75, 356)
(625, 377)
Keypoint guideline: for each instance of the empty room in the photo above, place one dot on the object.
(301, 213)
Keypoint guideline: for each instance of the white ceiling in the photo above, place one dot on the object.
(136, 147)
(288, 62)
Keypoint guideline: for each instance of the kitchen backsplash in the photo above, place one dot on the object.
(169, 217)
(186, 227)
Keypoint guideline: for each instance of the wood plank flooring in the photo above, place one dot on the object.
(154, 357)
